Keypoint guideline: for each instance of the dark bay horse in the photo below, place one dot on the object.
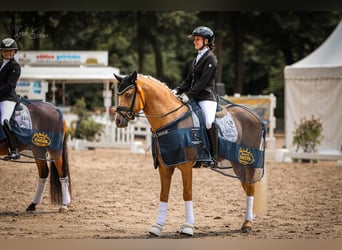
(137, 92)
(40, 128)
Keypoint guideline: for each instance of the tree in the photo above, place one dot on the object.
(252, 47)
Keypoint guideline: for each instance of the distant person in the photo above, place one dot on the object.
(9, 74)
(200, 81)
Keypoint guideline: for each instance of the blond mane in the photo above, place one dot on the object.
(154, 80)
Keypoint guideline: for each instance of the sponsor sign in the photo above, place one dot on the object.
(62, 57)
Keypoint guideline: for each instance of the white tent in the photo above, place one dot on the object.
(313, 86)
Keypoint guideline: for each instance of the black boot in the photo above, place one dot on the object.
(213, 139)
(13, 152)
(197, 164)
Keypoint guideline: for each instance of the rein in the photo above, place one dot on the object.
(160, 116)
(28, 156)
(130, 115)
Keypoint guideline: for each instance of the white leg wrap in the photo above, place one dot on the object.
(157, 228)
(65, 190)
(189, 213)
(249, 208)
(40, 190)
(161, 220)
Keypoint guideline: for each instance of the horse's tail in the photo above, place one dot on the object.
(260, 195)
(55, 185)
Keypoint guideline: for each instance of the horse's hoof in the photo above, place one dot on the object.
(31, 207)
(187, 229)
(156, 230)
(63, 209)
(246, 227)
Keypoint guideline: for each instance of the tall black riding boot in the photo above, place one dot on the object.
(13, 152)
(213, 138)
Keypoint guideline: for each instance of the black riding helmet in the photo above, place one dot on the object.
(8, 44)
(204, 32)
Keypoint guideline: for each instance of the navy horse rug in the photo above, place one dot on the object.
(35, 125)
(186, 139)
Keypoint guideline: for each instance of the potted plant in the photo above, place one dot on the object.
(85, 128)
(308, 135)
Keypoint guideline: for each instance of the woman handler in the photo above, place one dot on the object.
(9, 75)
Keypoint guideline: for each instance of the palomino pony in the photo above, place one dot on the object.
(178, 142)
(40, 128)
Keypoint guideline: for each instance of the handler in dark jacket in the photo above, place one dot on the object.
(200, 80)
(9, 75)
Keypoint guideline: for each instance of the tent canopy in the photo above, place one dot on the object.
(329, 54)
(313, 87)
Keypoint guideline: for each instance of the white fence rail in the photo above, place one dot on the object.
(137, 136)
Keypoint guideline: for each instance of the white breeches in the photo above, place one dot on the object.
(6, 109)
(209, 110)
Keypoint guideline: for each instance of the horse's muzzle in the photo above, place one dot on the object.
(120, 121)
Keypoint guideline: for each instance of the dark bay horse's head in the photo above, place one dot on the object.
(127, 108)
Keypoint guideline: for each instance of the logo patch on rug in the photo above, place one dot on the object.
(41, 139)
(245, 156)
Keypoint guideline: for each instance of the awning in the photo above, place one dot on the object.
(76, 74)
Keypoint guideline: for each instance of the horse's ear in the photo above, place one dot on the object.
(119, 78)
(133, 77)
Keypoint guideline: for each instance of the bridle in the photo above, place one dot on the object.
(130, 115)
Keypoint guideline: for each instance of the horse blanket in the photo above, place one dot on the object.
(177, 143)
(46, 134)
